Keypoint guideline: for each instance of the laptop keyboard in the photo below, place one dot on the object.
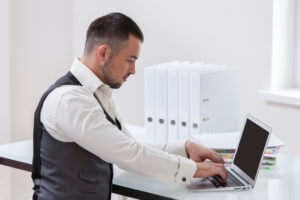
(231, 181)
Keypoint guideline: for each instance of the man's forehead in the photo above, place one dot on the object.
(132, 48)
(133, 52)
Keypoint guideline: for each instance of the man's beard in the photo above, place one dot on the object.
(108, 77)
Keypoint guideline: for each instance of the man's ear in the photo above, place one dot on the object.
(103, 53)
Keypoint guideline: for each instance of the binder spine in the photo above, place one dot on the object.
(172, 105)
(150, 119)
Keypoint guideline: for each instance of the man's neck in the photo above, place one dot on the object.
(92, 65)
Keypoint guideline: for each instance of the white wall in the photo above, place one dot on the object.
(5, 73)
(40, 53)
(235, 33)
(5, 172)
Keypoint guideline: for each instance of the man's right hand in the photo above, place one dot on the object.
(206, 169)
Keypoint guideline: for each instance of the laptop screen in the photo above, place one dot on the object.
(251, 147)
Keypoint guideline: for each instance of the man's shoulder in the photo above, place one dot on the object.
(65, 91)
(68, 89)
(63, 101)
(63, 95)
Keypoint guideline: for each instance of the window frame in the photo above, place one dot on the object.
(285, 76)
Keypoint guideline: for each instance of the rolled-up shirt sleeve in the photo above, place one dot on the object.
(80, 118)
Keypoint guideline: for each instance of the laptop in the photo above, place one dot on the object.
(243, 172)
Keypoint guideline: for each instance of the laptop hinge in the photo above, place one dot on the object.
(240, 177)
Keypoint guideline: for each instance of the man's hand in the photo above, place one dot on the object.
(199, 154)
(206, 169)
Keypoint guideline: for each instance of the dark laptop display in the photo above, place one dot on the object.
(243, 172)
(251, 147)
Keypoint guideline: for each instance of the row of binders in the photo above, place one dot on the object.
(184, 99)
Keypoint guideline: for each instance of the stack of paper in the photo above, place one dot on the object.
(270, 158)
(225, 144)
(184, 99)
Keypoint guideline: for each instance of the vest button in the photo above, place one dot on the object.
(183, 179)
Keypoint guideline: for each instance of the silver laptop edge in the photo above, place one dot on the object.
(234, 167)
(238, 173)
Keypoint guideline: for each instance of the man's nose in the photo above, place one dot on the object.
(132, 69)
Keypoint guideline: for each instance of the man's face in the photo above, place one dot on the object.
(121, 66)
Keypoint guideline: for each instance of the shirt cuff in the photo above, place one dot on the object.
(186, 170)
(177, 147)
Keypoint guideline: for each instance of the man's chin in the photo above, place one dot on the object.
(115, 85)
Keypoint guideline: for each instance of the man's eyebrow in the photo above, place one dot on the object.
(133, 57)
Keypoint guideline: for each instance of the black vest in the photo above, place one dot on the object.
(64, 170)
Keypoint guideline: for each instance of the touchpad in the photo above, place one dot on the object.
(200, 183)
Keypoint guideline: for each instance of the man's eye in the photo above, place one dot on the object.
(130, 61)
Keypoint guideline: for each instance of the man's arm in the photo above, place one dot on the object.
(196, 152)
(80, 118)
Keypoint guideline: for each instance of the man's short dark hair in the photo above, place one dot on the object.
(112, 29)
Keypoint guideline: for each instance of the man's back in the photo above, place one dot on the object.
(64, 170)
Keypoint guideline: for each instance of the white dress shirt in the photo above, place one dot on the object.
(72, 114)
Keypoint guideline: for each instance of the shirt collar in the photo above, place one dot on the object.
(86, 77)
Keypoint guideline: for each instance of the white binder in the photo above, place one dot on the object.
(183, 100)
(173, 87)
(194, 95)
(162, 102)
(150, 100)
(219, 105)
(149, 75)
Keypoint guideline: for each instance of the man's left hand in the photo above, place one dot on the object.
(200, 153)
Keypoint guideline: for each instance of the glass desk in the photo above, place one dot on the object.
(279, 183)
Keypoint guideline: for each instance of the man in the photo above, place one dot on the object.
(78, 134)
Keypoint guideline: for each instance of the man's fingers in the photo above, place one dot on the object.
(210, 169)
(219, 169)
(214, 156)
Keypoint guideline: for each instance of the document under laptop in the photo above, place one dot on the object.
(243, 172)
